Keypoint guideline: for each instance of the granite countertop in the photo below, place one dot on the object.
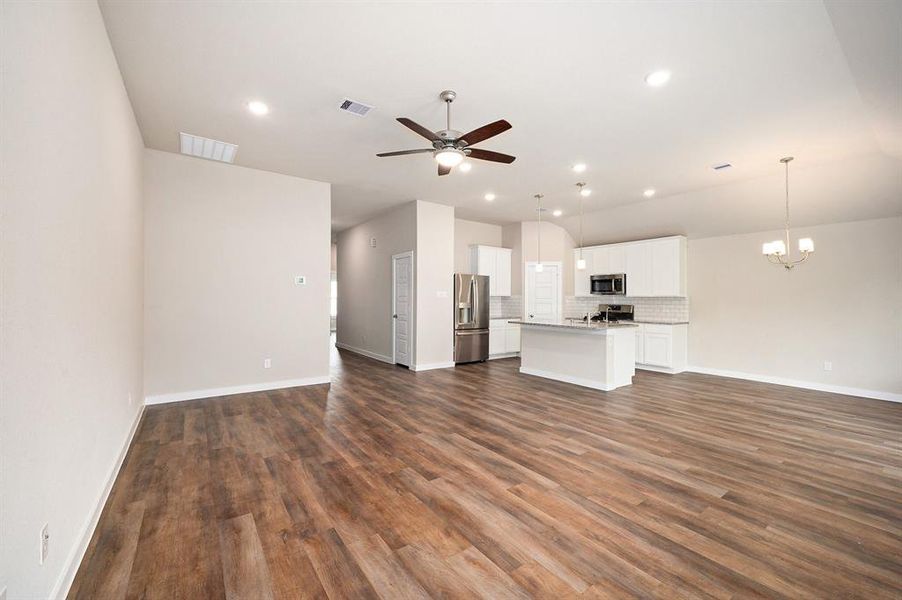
(645, 321)
(575, 324)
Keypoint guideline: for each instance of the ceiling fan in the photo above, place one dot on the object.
(449, 147)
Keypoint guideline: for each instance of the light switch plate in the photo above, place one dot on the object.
(300, 280)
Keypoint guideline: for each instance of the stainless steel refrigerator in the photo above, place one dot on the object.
(471, 317)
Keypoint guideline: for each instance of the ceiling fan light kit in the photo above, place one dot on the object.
(777, 251)
(449, 147)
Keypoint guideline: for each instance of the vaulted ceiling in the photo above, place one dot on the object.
(752, 82)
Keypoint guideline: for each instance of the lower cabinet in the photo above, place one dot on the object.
(662, 347)
(504, 338)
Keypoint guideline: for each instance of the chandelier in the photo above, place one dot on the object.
(777, 250)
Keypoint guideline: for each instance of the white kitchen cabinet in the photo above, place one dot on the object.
(504, 338)
(640, 344)
(668, 267)
(496, 264)
(616, 259)
(602, 260)
(661, 347)
(638, 270)
(653, 267)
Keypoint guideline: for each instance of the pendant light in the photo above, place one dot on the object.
(583, 192)
(777, 251)
(539, 210)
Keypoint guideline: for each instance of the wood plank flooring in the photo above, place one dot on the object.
(481, 482)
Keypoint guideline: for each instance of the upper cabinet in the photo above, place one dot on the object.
(496, 263)
(653, 267)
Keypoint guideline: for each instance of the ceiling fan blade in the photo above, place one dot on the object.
(443, 170)
(489, 155)
(403, 152)
(429, 135)
(485, 132)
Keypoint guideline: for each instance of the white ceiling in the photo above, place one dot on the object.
(752, 81)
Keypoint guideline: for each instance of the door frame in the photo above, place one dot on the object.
(560, 287)
(411, 321)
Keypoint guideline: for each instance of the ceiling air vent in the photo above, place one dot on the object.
(202, 147)
(355, 108)
(721, 166)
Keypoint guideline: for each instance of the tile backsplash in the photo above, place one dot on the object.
(663, 310)
(505, 306)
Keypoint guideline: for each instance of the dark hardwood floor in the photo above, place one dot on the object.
(480, 482)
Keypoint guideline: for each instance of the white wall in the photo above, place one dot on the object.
(223, 245)
(512, 237)
(472, 232)
(70, 285)
(556, 246)
(844, 306)
(364, 279)
(435, 285)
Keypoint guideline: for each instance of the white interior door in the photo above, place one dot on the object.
(402, 306)
(543, 292)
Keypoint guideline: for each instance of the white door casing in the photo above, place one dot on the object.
(402, 307)
(543, 291)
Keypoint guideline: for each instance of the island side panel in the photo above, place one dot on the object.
(587, 358)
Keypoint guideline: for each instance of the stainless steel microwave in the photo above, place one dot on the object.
(609, 285)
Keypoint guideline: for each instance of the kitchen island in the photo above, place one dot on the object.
(596, 355)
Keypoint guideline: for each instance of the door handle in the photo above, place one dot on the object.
(394, 316)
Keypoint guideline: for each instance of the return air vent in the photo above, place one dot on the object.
(202, 147)
(355, 108)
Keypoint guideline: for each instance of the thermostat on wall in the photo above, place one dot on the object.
(300, 280)
(372, 242)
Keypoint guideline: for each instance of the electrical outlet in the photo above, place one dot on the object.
(267, 363)
(45, 542)
(828, 366)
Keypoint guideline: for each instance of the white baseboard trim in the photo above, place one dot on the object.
(431, 366)
(77, 554)
(659, 369)
(808, 385)
(589, 383)
(366, 353)
(504, 355)
(236, 389)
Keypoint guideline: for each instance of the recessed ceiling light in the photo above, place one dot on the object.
(465, 167)
(258, 108)
(657, 78)
(648, 193)
(585, 192)
(558, 213)
(490, 196)
(579, 167)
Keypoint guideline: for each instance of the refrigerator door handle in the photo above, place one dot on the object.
(471, 332)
